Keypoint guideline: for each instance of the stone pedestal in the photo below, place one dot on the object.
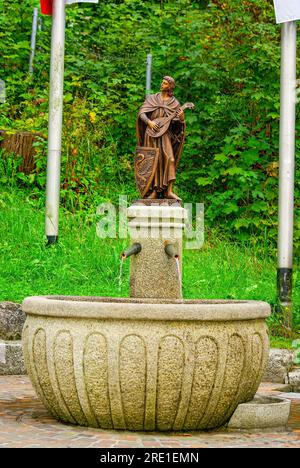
(154, 274)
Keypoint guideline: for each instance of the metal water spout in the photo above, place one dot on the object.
(171, 251)
(133, 250)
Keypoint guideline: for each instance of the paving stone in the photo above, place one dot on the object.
(24, 422)
(12, 319)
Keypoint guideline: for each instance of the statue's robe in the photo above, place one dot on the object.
(170, 144)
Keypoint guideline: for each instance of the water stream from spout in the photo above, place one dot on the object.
(179, 275)
(121, 273)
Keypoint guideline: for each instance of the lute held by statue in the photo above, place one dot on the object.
(164, 122)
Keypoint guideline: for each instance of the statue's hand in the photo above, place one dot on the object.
(153, 125)
(180, 114)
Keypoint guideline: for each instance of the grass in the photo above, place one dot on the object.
(283, 343)
(83, 264)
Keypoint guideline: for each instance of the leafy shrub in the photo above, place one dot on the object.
(225, 57)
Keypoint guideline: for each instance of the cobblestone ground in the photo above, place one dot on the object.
(24, 422)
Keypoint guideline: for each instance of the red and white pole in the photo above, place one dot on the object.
(46, 7)
(57, 8)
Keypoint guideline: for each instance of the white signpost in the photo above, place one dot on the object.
(69, 2)
(33, 39)
(287, 12)
(56, 8)
(148, 74)
(2, 92)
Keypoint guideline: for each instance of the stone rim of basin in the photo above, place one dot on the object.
(146, 309)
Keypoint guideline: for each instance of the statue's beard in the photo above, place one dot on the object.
(167, 91)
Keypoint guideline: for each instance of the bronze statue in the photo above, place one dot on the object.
(160, 135)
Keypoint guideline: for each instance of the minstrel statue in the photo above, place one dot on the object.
(160, 137)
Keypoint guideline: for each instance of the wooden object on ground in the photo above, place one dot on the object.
(20, 144)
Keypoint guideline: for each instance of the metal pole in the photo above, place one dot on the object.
(33, 39)
(55, 120)
(40, 24)
(287, 169)
(148, 74)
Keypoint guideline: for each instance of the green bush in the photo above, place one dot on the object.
(225, 57)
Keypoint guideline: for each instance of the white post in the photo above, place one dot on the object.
(40, 24)
(148, 74)
(2, 92)
(33, 39)
(55, 120)
(287, 168)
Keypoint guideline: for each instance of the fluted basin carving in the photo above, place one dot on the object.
(144, 364)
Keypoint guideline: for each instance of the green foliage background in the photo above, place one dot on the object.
(225, 57)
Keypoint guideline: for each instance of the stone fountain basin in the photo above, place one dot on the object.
(145, 364)
(262, 413)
